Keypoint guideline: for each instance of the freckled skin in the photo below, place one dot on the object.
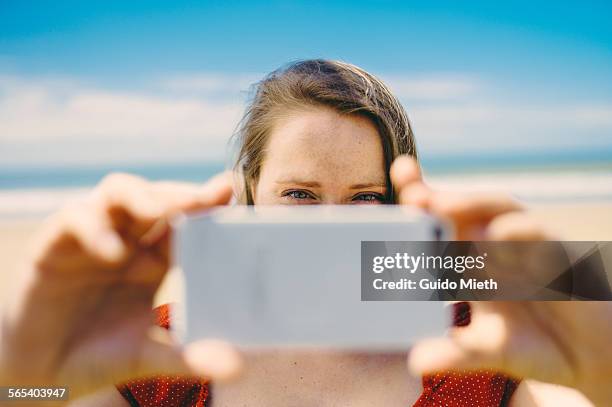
(335, 152)
(321, 146)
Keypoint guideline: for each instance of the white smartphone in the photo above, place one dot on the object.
(290, 276)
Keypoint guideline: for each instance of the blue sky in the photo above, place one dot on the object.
(83, 78)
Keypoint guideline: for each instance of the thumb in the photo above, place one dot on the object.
(211, 359)
(408, 182)
(505, 338)
(405, 170)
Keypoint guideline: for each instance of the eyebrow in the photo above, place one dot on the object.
(314, 184)
(304, 183)
(369, 185)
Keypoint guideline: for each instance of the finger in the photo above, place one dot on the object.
(220, 188)
(441, 354)
(214, 359)
(470, 208)
(183, 197)
(138, 208)
(435, 355)
(408, 183)
(405, 171)
(509, 341)
(95, 235)
(129, 202)
(80, 225)
(159, 355)
(131, 193)
(417, 194)
(145, 270)
(516, 226)
(479, 345)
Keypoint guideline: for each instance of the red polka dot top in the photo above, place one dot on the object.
(448, 389)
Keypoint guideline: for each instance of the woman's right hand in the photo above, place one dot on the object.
(82, 318)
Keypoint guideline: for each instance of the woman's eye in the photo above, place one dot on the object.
(369, 198)
(300, 195)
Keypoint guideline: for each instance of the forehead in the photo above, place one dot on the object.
(320, 142)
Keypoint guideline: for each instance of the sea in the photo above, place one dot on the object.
(533, 177)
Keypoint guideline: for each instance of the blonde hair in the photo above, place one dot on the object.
(343, 87)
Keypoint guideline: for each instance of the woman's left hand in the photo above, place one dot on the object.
(567, 343)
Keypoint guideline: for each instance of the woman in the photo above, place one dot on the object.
(315, 132)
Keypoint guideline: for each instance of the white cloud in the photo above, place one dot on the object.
(44, 111)
(479, 126)
(211, 83)
(78, 122)
(186, 117)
